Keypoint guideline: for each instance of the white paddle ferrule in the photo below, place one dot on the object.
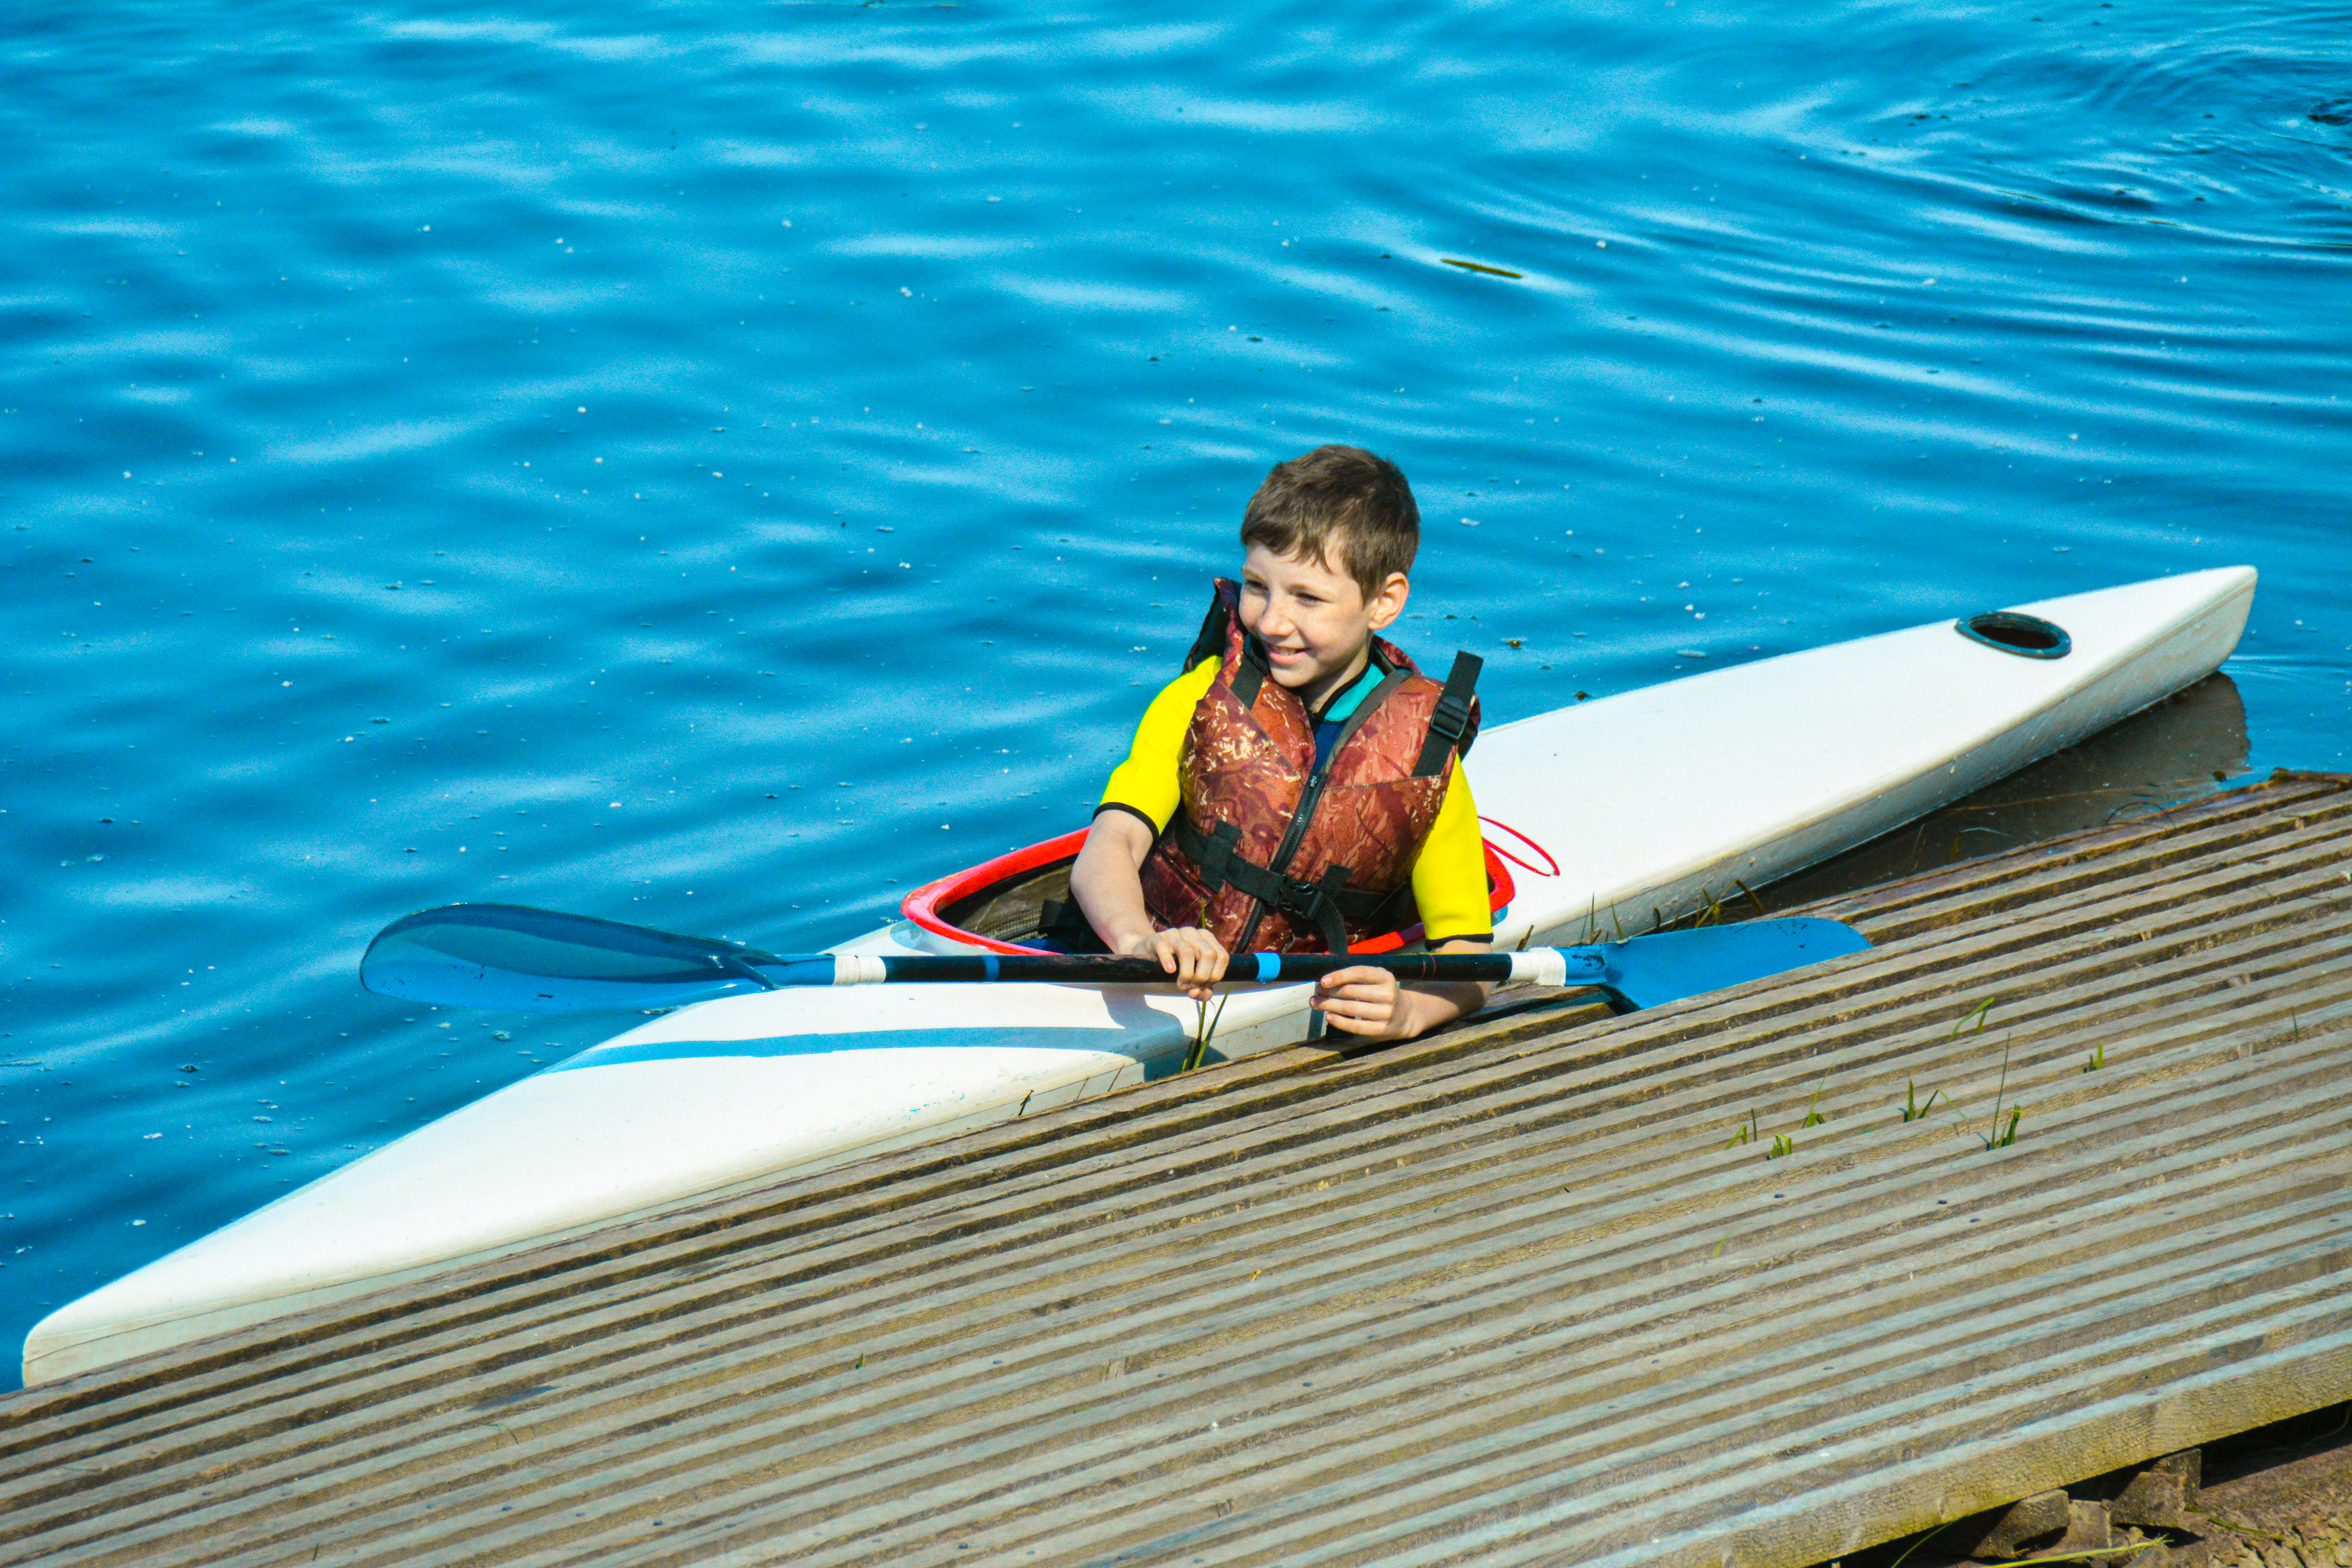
(858, 969)
(1539, 966)
(1555, 966)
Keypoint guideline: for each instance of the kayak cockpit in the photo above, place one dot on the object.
(1021, 903)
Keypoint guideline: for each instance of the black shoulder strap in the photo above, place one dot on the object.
(1252, 675)
(1216, 629)
(1212, 639)
(1452, 726)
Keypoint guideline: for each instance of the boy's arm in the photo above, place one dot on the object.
(1105, 880)
(1369, 1002)
(1449, 885)
(1142, 796)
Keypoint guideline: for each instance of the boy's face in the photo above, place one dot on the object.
(1312, 618)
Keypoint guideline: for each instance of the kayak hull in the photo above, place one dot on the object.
(1619, 814)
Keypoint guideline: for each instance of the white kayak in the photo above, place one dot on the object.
(1613, 815)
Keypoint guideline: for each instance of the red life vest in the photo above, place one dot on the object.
(1265, 852)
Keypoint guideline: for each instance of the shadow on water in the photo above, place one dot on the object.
(2189, 744)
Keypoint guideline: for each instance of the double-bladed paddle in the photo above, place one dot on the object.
(517, 959)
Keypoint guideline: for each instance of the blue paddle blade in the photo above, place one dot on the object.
(508, 957)
(1648, 970)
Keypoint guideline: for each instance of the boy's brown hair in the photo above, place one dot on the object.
(1340, 505)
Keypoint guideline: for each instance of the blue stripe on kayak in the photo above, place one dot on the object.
(1118, 1042)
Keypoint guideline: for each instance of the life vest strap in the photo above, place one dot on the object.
(1328, 903)
(1216, 632)
(1251, 676)
(1212, 640)
(1449, 723)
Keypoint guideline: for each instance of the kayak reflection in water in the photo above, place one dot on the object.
(1300, 787)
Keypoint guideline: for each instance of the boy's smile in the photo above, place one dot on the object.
(1313, 620)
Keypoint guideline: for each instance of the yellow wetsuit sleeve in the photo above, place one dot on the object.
(1147, 783)
(1449, 879)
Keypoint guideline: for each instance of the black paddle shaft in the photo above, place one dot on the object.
(1093, 969)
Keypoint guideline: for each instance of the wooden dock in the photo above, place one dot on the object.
(1536, 1290)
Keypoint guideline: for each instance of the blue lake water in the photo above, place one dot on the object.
(721, 465)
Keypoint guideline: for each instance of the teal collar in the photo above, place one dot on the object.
(1342, 708)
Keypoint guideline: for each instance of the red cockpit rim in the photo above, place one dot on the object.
(923, 905)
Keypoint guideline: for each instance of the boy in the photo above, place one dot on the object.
(1300, 787)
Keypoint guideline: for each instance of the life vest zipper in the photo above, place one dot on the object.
(1308, 799)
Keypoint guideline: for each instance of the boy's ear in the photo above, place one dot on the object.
(1387, 604)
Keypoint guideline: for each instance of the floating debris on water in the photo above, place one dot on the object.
(1480, 267)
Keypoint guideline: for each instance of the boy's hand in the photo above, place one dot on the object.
(1194, 957)
(1367, 1002)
